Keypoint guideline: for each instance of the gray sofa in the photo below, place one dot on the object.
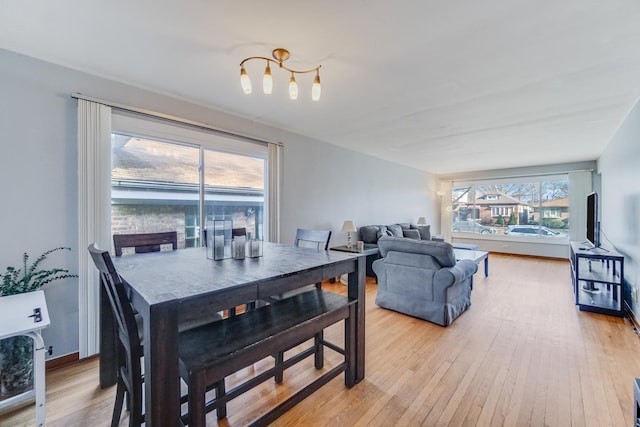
(423, 279)
(370, 234)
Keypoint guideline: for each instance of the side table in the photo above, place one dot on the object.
(368, 250)
(27, 314)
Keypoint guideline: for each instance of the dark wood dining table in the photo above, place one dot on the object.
(175, 288)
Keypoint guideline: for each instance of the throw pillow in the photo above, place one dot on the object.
(369, 233)
(383, 231)
(404, 225)
(411, 234)
(425, 232)
(395, 230)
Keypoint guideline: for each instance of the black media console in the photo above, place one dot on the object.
(598, 279)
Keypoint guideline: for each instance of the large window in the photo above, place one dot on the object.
(530, 208)
(156, 185)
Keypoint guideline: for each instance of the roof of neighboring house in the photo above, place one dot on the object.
(502, 199)
(147, 160)
(556, 203)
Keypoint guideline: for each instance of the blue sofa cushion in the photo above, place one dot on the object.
(396, 230)
(411, 234)
(369, 233)
(425, 231)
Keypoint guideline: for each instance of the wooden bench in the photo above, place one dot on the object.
(224, 347)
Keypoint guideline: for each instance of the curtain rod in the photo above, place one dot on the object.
(531, 175)
(169, 117)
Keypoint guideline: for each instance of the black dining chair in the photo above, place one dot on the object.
(145, 242)
(315, 239)
(319, 240)
(129, 344)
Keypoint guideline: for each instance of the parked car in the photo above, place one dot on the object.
(532, 230)
(471, 227)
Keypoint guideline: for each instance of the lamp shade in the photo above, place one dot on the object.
(422, 221)
(348, 226)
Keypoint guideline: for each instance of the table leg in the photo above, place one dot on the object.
(356, 289)
(162, 377)
(39, 376)
(486, 266)
(108, 356)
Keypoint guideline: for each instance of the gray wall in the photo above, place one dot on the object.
(323, 184)
(619, 167)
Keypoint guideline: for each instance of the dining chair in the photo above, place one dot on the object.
(129, 343)
(145, 242)
(315, 239)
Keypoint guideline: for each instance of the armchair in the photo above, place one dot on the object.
(421, 278)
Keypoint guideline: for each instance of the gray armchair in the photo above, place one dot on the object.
(422, 279)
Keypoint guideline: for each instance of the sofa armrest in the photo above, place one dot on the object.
(450, 276)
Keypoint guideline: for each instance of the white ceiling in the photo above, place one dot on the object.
(442, 86)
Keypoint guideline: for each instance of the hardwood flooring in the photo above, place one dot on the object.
(522, 355)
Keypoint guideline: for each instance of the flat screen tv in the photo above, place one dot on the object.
(593, 225)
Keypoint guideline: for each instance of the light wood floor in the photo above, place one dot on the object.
(521, 355)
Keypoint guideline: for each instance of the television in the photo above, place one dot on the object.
(593, 225)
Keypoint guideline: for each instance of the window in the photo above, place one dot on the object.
(180, 179)
(537, 208)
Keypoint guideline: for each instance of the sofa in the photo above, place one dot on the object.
(370, 234)
(423, 279)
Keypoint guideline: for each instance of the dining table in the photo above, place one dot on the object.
(174, 289)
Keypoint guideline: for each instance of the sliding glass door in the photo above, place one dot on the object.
(177, 183)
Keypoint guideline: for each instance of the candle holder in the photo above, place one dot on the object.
(219, 239)
(254, 248)
(238, 246)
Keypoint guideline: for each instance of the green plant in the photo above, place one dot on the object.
(27, 278)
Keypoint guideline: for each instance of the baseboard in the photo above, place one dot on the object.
(61, 361)
(547, 258)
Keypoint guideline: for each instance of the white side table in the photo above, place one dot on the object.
(27, 314)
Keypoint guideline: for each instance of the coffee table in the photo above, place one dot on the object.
(475, 256)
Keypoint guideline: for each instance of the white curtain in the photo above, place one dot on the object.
(94, 213)
(274, 165)
(580, 185)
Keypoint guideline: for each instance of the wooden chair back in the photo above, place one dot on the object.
(146, 242)
(318, 239)
(128, 338)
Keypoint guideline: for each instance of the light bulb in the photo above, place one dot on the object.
(293, 88)
(316, 89)
(244, 81)
(267, 82)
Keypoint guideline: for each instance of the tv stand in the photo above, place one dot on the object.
(598, 279)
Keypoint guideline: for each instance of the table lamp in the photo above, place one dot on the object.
(422, 221)
(349, 227)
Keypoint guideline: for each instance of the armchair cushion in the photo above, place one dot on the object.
(440, 251)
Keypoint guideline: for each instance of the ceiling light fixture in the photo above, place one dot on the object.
(280, 56)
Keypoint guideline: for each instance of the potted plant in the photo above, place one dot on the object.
(16, 353)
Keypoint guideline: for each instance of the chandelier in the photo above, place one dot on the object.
(280, 55)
